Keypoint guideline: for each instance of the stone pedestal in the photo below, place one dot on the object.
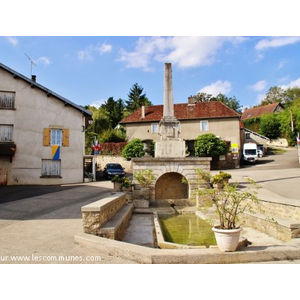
(170, 148)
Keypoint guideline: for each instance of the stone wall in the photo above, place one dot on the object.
(96, 214)
(102, 160)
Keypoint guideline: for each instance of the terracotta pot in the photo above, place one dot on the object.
(227, 239)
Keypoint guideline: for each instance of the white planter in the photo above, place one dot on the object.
(227, 239)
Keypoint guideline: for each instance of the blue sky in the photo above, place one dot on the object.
(90, 69)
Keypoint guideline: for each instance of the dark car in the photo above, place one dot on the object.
(112, 170)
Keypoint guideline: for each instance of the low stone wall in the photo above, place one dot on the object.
(102, 160)
(278, 143)
(287, 211)
(96, 214)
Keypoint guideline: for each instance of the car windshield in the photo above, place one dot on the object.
(250, 152)
(114, 166)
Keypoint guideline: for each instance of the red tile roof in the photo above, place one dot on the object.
(256, 112)
(184, 111)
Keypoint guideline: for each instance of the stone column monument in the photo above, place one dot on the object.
(170, 145)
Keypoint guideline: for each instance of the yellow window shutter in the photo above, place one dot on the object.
(65, 141)
(46, 137)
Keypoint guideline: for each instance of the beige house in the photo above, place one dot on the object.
(194, 119)
(41, 133)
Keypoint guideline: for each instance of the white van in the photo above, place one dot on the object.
(250, 152)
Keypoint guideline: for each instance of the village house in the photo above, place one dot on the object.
(250, 124)
(256, 112)
(42, 134)
(194, 119)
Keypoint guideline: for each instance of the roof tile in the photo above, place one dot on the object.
(184, 111)
(255, 112)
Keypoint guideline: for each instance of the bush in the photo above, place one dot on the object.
(112, 148)
(270, 126)
(144, 177)
(210, 145)
(135, 148)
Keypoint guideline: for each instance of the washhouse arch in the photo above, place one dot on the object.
(171, 185)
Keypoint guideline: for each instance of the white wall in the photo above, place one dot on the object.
(33, 112)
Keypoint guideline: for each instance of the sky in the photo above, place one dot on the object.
(89, 69)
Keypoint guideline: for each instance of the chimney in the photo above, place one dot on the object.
(191, 100)
(143, 112)
(33, 78)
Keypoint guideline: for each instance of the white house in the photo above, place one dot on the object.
(42, 134)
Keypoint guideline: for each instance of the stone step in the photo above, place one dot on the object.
(116, 227)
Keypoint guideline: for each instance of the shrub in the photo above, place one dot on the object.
(112, 148)
(210, 145)
(144, 177)
(135, 148)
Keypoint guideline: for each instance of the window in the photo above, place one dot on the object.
(51, 168)
(203, 125)
(6, 132)
(56, 137)
(154, 128)
(7, 100)
(248, 136)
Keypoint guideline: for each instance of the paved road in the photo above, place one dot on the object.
(278, 174)
(274, 160)
(41, 227)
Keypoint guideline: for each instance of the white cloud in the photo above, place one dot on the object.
(184, 52)
(283, 79)
(88, 53)
(44, 60)
(13, 41)
(98, 103)
(104, 48)
(258, 86)
(276, 42)
(292, 84)
(282, 64)
(260, 97)
(218, 87)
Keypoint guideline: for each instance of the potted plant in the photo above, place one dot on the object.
(126, 184)
(145, 178)
(120, 183)
(221, 179)
(229, 204)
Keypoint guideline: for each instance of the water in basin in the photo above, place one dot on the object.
(187, 229)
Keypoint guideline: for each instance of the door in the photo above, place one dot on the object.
(4, 167)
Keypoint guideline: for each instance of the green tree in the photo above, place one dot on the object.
(136, 98)
(275, 94)
(134, 148)
(284, 96)
(114, 111)
(269, 126)
(290, 122)
(112, 136)
(210, 145)
(231, 102)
